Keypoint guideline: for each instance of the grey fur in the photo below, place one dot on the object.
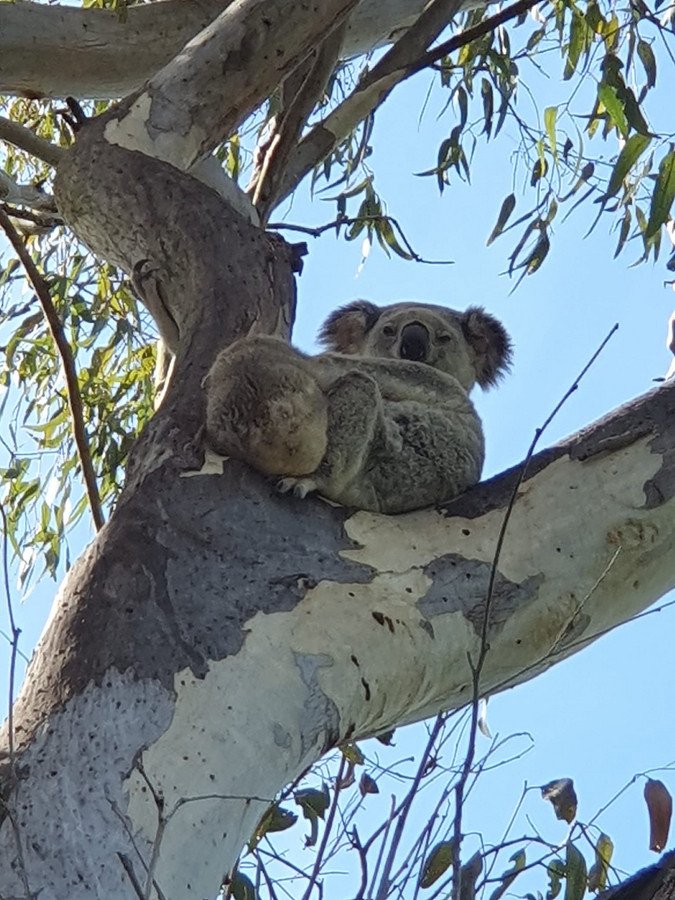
(383, 424)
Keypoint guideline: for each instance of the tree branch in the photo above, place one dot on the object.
(24, 138)
(300, 93)
(68, 364)
(24, 194)
(199, 98)
(60, 51)
(372, 90)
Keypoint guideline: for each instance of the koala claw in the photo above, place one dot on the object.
(299, 487)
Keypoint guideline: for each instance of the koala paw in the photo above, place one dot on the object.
(299, 487)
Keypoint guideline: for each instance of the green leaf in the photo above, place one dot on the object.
(313, 802)
(575, 873)
(275, 819)
(519, 860)
(550, 116)
(648, 60)
(597, 876)
(610, 100)
(488, 105)
(632, 150)
(507, 208)
(663, 195)
(242, 888)
(437, 862)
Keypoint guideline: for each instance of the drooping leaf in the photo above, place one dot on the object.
(632, 150)
(662, 196)
(563, 798)
(556, 872)
(277, 818)
(660, 810)
(519, 861)
(550, 117)
(597, 875)
(648, 60)
(507, 207)
(242, 888)
(468, 877)
(576, 876)
(368, 785)
(438, 861)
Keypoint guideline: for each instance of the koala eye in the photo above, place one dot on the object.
(389, 330)
(444, 338)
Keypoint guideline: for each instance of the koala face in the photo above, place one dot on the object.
(472, 346)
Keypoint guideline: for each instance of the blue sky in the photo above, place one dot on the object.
(607, 713)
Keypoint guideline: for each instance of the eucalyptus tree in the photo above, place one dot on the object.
(216, 639)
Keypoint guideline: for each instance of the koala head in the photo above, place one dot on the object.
(472, 345)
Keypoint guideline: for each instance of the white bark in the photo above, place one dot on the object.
(58, 51)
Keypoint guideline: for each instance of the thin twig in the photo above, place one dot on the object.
(471, 34)
(347, 220)
(477, 667)
(68, 364)
(327, 829)
(27, 140)
(383, 889)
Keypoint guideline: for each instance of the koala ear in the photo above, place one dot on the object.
(491, 344)
(345, 329)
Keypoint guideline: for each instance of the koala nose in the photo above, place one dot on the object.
(414, 342)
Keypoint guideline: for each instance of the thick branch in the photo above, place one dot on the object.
(59, 51)
(24, 138)
(201, 96)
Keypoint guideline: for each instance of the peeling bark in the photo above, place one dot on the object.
(213, 622)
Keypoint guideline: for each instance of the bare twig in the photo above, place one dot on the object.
(346, 220)
(25, 139)
(68, 363)
(477, 666)
(327, 829)
(383, 888)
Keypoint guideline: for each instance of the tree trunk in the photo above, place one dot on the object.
(216, 639)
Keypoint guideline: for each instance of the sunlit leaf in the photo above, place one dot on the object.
(662, 196)
(575, 873)
(597, 875)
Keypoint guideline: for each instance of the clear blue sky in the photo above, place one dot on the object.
(608, 712)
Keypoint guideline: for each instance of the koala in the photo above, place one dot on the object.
(382, 421)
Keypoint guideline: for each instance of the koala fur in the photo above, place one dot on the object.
(383, 421)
